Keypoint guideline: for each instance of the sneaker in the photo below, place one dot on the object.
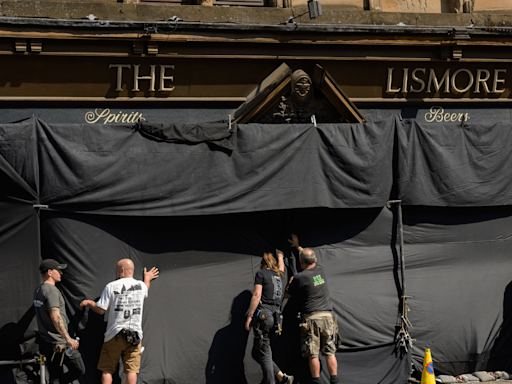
(287, 379)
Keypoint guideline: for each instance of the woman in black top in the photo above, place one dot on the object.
(269, 285)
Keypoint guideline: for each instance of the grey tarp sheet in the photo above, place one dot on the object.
(115, 170)
(205, 214)
(450, 165)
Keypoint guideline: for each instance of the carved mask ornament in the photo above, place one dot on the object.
(302, 91)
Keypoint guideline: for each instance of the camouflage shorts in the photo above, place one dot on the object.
(319, 334)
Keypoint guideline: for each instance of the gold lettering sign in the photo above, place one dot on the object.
(421, 78)
(438, 115)
(151, 77)
(105, 116)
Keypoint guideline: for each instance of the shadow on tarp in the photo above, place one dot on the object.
(14, 335)
(226, 355)
(500, 358)
(389, 365)
(19, 343)
(262, 231)
(287, 347)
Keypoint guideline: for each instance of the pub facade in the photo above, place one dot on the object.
(97, 70)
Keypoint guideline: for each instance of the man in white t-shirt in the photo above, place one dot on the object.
(124, 298)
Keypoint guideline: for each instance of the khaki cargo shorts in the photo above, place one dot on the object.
(113, 349)
(320, 333)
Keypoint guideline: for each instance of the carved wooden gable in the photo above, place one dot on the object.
(294, 97)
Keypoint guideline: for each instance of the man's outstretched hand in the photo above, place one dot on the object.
(294, 240)
(151, 274)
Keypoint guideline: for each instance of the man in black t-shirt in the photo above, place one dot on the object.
(319, 330)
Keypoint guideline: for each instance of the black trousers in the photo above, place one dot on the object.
(74, 364)
(262, 349)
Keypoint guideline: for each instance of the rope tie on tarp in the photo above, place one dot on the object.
(403, 338)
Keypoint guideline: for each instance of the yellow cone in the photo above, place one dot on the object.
(427, 376)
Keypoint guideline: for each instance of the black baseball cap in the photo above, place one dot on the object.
(51, 264)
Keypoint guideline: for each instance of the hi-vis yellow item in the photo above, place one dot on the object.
(427, 376)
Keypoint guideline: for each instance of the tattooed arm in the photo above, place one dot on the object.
(58, 322)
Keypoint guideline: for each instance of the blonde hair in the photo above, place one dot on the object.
(269, 261)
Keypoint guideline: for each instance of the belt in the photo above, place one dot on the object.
(317, 314)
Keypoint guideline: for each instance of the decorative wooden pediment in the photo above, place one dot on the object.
(293, 97)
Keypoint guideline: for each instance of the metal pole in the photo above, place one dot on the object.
(8, 362)
(403, 337)
(401, 231)
(402, 258)
(42, 368)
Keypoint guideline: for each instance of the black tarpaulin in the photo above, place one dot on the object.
(113, 169)
(388, 364)
(452, 165)
(204, 215)
(19, 255)
(20, 262)
(19, 170)
(459, 272)
(195, 314)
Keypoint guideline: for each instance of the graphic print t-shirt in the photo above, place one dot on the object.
(124, 299)
(310, 286)
(48, 296)
(273, 286)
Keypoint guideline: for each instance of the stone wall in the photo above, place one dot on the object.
(440, 6)
(357, 11)
(427, 6)
(349, 5)
(499, 6)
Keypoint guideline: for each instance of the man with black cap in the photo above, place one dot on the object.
(52, 321)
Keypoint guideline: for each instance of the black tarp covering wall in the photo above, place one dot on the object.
(450, 165)
(204, 214)
(20, 257)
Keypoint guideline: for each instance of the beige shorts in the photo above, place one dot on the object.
(113, 349)
(319, 334)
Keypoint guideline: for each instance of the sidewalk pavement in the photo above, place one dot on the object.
(413, 381)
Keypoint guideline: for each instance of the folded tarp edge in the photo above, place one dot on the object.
(220, 134)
